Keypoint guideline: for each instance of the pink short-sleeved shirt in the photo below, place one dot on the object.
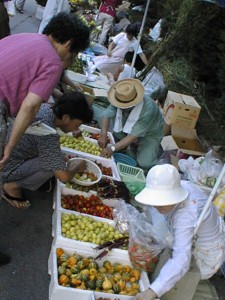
(28, 63)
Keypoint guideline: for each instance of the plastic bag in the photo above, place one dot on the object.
(154, 84)
(11, 9)
(155, 31)
(202, 170)
(144, 245)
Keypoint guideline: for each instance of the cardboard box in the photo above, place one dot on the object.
(58, 292)
(88, 91)
(180, 109)
(183, 140)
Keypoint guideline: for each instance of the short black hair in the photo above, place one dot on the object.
(132, 29)
(67, 26)
(75, 105)
(129, 56)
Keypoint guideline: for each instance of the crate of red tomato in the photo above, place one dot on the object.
(89, 204)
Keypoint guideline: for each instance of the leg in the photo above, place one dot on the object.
(19, 5)
(31, 175)
(106, 26)
(147, 153)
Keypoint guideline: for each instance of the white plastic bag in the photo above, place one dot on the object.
(11, 9)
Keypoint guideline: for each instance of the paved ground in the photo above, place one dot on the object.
(26, 234)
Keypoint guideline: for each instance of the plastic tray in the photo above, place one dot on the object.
(97, 130)
(133, 177)
(62, 241)
(57, 292)
(124, 159)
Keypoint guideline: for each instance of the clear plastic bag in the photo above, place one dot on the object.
(144, 245)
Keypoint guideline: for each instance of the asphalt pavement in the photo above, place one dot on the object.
(26, 234)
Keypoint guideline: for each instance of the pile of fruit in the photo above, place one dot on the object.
(86, 176)
(89, 205)
(80, 144)
(86, 229)
(85, 273)
(105, 170)
(82, 188)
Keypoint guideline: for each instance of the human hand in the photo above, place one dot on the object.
(106, 152)
(102, 141)
(146, 295)
(77, 87)
(77, 133)
(77, 167)
(109, 53)
(5, 157)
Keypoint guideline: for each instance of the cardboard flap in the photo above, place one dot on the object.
(182, 99)
(181, 132)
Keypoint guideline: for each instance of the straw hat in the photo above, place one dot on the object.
(126, 93)
(163, 187)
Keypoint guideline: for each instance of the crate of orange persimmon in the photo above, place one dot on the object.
(75, 275)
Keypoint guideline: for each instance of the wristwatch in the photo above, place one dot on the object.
(113, 148)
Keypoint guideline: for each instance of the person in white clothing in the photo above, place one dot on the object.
(19, 4)
(52, 8)
(125, 70)
(192, 258)
(120, 45)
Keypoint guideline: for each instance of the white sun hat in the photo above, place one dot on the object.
(163, 187)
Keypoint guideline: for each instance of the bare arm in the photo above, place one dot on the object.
(102, 141)
(124, 143)
(67, 175)
(27, 112)
(143, 58)
(110, 48)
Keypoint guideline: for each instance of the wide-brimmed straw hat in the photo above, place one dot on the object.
(163, 187)
(126, 93)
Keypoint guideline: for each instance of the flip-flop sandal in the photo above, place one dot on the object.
(16, 201)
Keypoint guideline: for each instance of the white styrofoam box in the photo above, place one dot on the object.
(97, 130)
(61, 241)
(108, 163)
(56, 291)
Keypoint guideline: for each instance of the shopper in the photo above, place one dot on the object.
(191, 258)
(52, 8)
(120, 45)
(28, 76)
(137, 123)
(36, 159)
(19, 4)
(106, 16)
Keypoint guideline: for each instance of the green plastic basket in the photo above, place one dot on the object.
(133, 178)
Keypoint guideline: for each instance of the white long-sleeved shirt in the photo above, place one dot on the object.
(52, 8)
(182, 221)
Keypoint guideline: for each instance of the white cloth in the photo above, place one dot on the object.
(182, 221)
(128, 72)
(52, 8)
(107, 64)
(131, 120)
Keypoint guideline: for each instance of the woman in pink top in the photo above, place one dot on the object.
(28, 76)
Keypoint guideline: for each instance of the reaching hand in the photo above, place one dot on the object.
(106, 152)
(102, 141)
(146, 295)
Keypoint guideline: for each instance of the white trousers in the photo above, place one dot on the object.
(106, 21)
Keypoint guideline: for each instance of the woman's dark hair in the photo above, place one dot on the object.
(64, 27)
(132, 29)
(75, 105)
(129, 56)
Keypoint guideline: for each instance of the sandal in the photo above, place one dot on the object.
(16, 201)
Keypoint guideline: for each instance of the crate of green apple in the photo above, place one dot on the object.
(80, 230)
